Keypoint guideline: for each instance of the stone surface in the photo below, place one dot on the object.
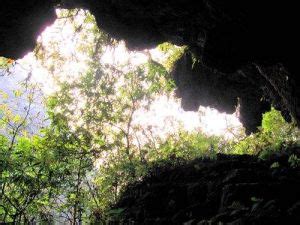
(228, 190)
(20, 24)
(198, 84)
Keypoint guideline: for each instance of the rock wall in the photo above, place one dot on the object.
(20, 24)
(224, 35)
(229, 190)
(198, 84)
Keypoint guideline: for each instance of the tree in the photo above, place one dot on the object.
(275, 134)
(24, 170)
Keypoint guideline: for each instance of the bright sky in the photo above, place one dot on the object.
(165, 113)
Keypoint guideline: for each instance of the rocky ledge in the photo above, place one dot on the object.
(232, 189)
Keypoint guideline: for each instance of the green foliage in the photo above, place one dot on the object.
(172, 52)
(274, 165)
(25, 173)
(294, 161)
(5, 63)
(103, 116)
(274, 135)
(186, 145)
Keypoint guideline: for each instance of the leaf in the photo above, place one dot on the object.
(17, 93)
(4, 95)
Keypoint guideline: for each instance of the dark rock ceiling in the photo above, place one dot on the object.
(245, 50)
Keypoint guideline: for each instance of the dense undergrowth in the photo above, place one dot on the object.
(55, 175)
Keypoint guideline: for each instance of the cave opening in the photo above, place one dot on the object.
(147, 113)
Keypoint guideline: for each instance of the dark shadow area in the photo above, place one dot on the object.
(231, 189)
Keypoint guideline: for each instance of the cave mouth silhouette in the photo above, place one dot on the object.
(246, 47)
(240, 54)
